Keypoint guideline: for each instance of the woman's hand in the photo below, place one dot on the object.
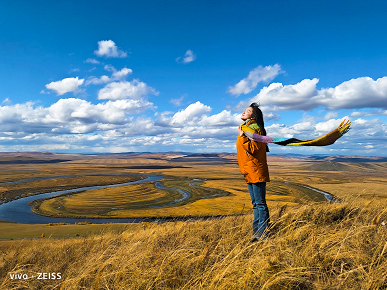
(240, 130)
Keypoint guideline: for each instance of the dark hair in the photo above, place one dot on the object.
(258, 117)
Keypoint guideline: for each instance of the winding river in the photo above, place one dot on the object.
(19, 211)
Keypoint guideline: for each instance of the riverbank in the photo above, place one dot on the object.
(136, 201)
(13, 190)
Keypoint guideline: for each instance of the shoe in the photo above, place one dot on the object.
(254, 240)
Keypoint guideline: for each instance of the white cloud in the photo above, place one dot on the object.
(224, 118)
(331, 115)
(116, 75)
(301, 96)
(83, 112)
(327, 126)
(257, 75)
(119, 74)
(362, 92)
(109, 67)
(66, 85)
(190, 114)
(96, 81)
(195, 119)
(122, 73)
(7, 101)
(109, 49)
(368, 113)
(177, 102)
(188, 57)
(91, 60)
(122, 90)
(78, 125)
(67, 116)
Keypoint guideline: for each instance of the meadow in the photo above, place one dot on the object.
(311, 244)
(218, 190)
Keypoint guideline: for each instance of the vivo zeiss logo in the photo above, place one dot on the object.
(16, 276)
(39, 276)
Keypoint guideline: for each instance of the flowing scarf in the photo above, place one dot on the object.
(325, 140)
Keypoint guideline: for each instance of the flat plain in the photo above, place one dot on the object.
(340, 245)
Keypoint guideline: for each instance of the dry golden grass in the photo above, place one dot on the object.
(26, 231)
(118, 161)
(363, 192)
(103, 202)
(319, 246)
(126, 202)
(142, 201)
(309, 246)
(16, 190)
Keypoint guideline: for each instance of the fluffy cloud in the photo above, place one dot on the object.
(81, 111)
(69, 116)
(65, 86)
(224, 118)
(91, 60)
(123, 90)
(188, 57)
(177, 102)
(257, 75)
(190, 115)
(301, 96)
(108, 48)
(76, 124)
(116, 75)
(122, 73)
(368, 113)
(357, 93)
(97, 81)
(362, 92)
(194, 121)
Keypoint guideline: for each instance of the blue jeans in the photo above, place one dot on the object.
(261, 211)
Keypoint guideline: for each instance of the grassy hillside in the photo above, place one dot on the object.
(317, 246)
(310, 245)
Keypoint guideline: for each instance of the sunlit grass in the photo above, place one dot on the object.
(310, 245)
(144, 200)
(12, 191)
(319, 246)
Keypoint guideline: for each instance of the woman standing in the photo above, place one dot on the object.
(253, 165)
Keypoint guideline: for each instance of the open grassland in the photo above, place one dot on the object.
(11, 191)
(316, 246)
(124, 202)
(221, 190)
(219, 195)
(101, 202)
(311, 244)
(23, 231)
(351, 182)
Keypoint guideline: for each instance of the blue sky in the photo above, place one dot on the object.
(119, 76)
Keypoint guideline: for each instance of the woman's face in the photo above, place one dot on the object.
(247, 114)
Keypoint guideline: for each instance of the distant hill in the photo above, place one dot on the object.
(323, 162)
(334, 158)
(328, 166)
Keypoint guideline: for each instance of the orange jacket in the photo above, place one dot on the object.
(252, 158)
